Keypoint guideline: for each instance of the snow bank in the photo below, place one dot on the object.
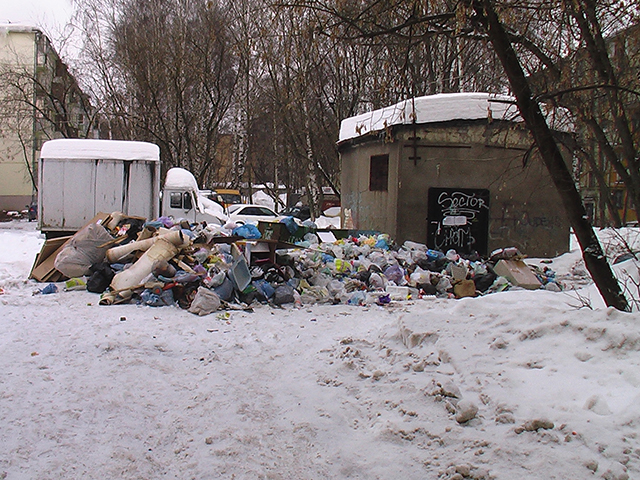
(518, 384)
(262, 198)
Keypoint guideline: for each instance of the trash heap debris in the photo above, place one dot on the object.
(202, 268)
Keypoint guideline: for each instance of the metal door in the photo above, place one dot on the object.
(458, 218)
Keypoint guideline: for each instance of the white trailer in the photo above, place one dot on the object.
(78, 178)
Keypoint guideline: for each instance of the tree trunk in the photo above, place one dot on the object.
(594, 258)
(313, 189)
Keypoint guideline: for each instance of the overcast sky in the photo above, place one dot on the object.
(50, 15)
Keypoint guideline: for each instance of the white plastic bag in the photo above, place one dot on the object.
(85, 249)
(205, 302)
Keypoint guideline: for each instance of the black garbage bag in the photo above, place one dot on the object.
(100, 278)
(427, 288)
(284, 294)
(433, 265)
(251, 294)
(484, 281)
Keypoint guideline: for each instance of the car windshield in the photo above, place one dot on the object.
(258, 211)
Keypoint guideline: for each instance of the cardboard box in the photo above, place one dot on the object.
(43, 269)
(518, 273)
(273, 231)
(464, 288)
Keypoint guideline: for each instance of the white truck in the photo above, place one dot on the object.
(182, 199)
(78, 178)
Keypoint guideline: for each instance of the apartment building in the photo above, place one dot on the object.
(39, 100)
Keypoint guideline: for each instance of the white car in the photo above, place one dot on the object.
(249, 213)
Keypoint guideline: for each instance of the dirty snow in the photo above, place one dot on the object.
(545, 387)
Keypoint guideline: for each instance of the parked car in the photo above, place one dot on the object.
(249, 213)
(301, 212)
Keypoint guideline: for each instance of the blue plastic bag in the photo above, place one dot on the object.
(249, 231)
(51, 288)
(265, 288)
(153, 299)
(434, 255)
(291, 224)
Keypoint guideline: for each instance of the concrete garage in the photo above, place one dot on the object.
(452, 171)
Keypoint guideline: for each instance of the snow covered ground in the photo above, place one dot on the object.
(340, 392)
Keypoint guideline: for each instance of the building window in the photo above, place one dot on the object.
(618, 199)
(379, 173)
(590, 207)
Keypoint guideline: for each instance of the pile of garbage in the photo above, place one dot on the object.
(202, 269)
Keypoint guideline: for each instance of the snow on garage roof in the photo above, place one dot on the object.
(91, 149)
(430, 109)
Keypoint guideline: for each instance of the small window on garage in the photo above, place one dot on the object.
(379, 173)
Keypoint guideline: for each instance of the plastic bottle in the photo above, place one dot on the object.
(434, 255)
(297, 301)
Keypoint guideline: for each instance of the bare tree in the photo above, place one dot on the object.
(165, 73)
(522, 50)
(595, 260)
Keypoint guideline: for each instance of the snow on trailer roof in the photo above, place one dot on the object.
(430, 109)
(92, 149)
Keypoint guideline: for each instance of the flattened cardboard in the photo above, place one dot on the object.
(518, 273)
(43, 269)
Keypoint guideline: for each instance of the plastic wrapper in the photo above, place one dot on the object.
(83, 250)
(284, 294)
(205, 302)
(419, 277)
(395, 274)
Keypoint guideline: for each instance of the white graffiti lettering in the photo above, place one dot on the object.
(459, 203)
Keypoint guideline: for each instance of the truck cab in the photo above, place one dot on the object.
(180, 204)
(182, 200)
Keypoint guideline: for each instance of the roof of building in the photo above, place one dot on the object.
(442, 107)
(18, 27)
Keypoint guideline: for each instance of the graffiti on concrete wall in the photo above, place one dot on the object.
(515, 223)
(458, 218)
